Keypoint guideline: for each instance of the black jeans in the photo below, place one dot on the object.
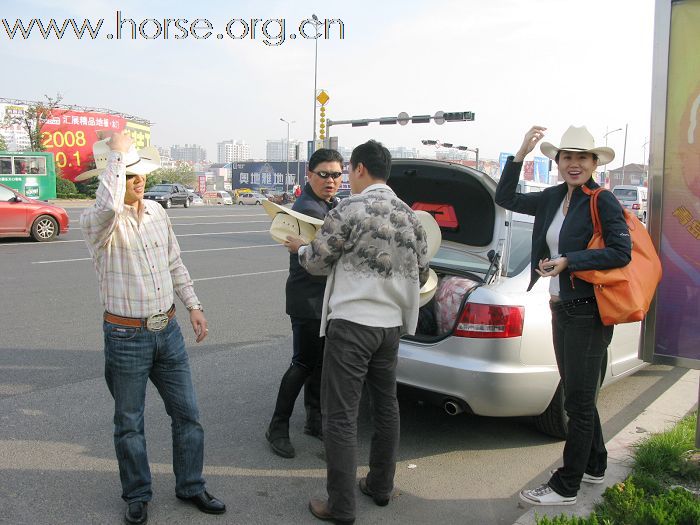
(304, 371)
(356, 354)
(581, 346)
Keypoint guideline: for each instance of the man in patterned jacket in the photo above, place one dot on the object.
(374, 251)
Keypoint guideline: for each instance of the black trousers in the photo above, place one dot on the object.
(581, 346)
(304, 371)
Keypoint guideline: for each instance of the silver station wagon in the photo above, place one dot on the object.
(483, 344)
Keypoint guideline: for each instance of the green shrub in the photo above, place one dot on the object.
(64, 186)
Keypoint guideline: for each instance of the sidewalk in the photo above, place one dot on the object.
(72, 203)
(673, 405)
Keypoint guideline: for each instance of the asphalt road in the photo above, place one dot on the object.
(57, 463)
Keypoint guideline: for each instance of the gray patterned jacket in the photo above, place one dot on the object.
(373, 249)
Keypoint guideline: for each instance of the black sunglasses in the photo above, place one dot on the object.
(326, 174)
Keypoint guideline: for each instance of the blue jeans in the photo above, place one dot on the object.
(132, 356)
(581, 347)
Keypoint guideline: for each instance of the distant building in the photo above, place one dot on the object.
(275, 150)
(232, 151)
(401, 152)
(189, 153)
(634, 175)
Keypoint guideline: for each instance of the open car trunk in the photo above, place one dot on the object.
(473, 231)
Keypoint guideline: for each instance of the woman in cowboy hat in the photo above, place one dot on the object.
(561, 232)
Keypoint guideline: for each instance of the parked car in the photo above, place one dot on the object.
(21, 216)
(250, 198)
(634, 198)
(195, 199)
(343, 193)
(484, 344)
(218, 197)
(168, 194)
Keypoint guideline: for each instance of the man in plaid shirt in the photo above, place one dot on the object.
(139, 268)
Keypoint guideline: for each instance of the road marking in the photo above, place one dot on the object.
(201, 224)
(29, 243)
(182, 251)
(239, 275)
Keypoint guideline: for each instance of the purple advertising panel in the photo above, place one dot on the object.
(672, 330)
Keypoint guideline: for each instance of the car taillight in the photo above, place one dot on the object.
(635, 206)
(490, 321)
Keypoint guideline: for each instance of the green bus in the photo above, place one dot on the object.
(32, 173)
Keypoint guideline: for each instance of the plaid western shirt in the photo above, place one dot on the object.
(136, 255)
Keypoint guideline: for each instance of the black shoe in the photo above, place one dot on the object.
(206, 503)
(136, 512)
(281, 446)
(382, 501)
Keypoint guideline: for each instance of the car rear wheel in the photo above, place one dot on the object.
(168, 204)
(240, 203)
(187, 202)
(554, 420)
(45, 228)
(258, 203)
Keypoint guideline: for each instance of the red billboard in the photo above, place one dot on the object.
(69, 135)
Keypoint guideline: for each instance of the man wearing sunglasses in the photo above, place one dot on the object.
(304, 304)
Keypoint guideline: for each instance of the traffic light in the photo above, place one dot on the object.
(322, 125)
(456, 116)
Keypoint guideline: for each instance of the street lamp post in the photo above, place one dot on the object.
(316, 23)
(644, 160)
(624, 154)
(286, 149)
(605, 170)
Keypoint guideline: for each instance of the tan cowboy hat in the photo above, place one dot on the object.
(578, 139)
(432, 231)
(428, 289)
(138, 162)
(286, 221)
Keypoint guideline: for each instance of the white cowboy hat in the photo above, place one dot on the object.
(138, 162)
(286, 221)
(428, 289)
(578, 139)
(432, 231)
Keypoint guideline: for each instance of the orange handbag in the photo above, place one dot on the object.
(623, 294)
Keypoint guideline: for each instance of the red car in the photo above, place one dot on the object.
(21, 216)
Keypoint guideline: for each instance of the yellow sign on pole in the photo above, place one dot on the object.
(323, 98)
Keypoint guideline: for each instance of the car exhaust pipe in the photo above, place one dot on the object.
(452, 407)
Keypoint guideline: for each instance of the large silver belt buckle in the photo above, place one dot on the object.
(157, 322)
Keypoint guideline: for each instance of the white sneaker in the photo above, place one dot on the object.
(587, 478)
(545, 495)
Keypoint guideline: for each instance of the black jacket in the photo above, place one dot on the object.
(305, 291)
(576, 231)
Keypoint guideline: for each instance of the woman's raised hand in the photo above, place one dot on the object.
(532, 137)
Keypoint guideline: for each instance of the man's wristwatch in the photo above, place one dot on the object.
(197, 306)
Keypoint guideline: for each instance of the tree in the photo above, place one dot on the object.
(34, 117)
(65, 187)
(183, 174)
(3, 144)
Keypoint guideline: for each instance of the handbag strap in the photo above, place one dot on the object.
(595, 218)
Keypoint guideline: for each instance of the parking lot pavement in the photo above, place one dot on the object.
(57, 463)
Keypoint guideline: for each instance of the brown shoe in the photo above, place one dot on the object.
(319, 508)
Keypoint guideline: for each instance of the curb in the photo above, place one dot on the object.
(664, 412)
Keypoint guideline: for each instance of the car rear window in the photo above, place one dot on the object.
(521, 245)
(625, 193)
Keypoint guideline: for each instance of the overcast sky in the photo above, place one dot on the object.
(512, 62)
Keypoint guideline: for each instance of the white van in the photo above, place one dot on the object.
(633, 198)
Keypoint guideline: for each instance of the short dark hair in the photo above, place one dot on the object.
(375, 157)
(556, 157)
(324, 155)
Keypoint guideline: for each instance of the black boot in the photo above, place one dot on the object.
(278, 431)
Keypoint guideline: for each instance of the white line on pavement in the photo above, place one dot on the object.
(201, 223)
(239, 275)
(182, 251)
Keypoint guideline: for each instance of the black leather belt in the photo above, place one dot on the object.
(573, 302)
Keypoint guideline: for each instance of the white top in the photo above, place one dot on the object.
(553, 244)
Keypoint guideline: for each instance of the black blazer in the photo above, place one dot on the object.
(305, 291)
(576, 231)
